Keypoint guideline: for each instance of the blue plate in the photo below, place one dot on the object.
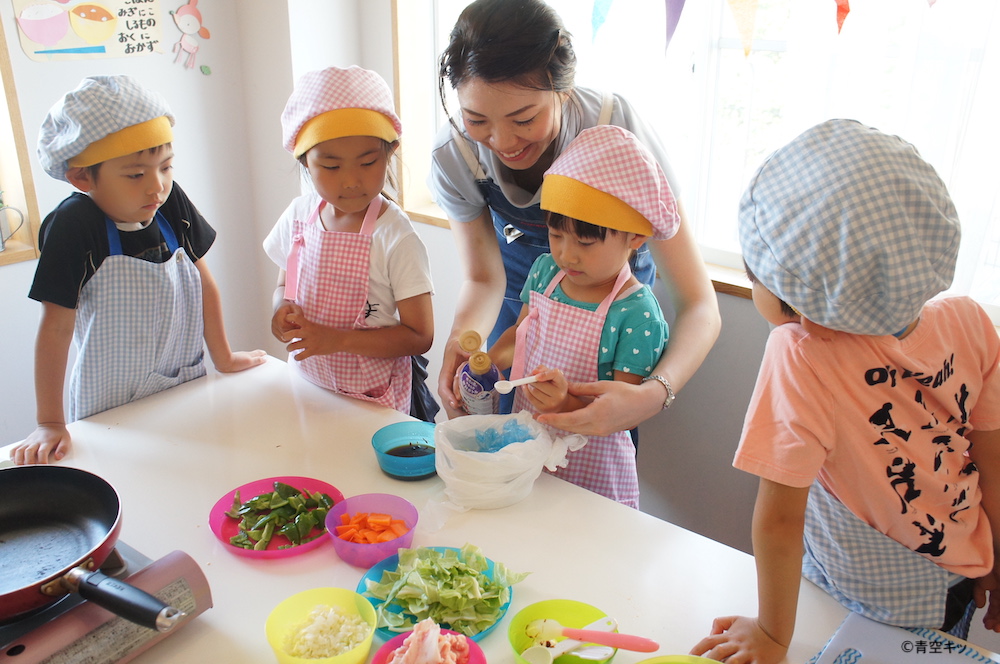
(392, 562)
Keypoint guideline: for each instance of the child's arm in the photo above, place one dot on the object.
(985, 452)
(778, 522)
(280, 327)
(55, 334)
(223, 357)
(413, 336)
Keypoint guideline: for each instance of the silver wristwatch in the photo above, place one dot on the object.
(666, 385)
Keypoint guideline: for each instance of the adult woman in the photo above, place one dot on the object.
(512, 66)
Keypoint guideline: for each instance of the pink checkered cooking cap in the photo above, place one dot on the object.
(333, 103)
(606, 177)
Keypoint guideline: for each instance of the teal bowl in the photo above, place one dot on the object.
(406, 450)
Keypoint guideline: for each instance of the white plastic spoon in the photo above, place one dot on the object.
(541, 654)
(505, 386)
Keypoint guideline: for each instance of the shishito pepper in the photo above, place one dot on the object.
(286, 510)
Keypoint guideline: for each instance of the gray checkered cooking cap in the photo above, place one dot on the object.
(99, 107)
(851, 227)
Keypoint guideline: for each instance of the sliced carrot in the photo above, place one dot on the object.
(379, 521)
(370, 528)
(347, 532)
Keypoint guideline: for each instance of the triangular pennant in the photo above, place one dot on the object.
(674, 8)
(598, 15)
(843, 9)
(745, 12)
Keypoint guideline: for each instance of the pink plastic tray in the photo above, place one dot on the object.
(226, 527)
(476, 655)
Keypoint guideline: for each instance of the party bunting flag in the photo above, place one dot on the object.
(745, 11)
(843, 9)
(674, 8)
(599, 14)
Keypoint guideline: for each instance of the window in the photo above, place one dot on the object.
(926, 73)
(16, 181)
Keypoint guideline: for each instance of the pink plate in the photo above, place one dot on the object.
(476, 655)
(226, 527)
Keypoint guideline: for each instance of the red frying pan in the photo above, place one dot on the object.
(57, 526)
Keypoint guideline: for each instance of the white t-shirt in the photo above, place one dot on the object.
(398, 264)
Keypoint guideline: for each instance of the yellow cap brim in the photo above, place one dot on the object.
(142, 136)
(572, 198)
(342, 122)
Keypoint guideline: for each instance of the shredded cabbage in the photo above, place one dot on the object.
(453, 588)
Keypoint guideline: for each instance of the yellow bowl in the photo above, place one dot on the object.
(568, 612)
(295, 610)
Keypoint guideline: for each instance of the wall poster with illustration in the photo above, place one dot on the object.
(51, 31)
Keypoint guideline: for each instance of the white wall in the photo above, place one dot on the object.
(686, 452)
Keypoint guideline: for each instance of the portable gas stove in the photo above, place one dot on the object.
(73, 630)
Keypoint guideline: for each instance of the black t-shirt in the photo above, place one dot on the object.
(74, 243)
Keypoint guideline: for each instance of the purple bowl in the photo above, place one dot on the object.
(366, 555)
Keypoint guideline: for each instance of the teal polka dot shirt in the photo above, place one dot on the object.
(635, 332)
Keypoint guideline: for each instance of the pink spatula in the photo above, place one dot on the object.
(547, 628)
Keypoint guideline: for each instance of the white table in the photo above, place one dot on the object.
(173, 455)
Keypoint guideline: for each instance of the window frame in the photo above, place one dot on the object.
(15, 167)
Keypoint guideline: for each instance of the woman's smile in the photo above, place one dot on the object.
(516, 123)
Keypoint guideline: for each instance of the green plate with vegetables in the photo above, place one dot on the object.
(274, 517)
(456, 576)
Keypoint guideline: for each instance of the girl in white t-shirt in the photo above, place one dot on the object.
(353, 300)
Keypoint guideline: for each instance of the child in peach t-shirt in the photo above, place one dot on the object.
(874, 425)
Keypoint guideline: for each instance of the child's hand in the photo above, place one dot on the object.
(241, 360)
(311, 338)
(986, 592)
(46, 440)
(549, 393)
(281, 326)
(739, 639)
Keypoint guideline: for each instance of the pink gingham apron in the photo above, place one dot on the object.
(562, 336)
(327, 275)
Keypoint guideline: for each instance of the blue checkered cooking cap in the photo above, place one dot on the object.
(851, 227)
(98, 107)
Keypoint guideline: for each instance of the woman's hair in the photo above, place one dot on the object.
(582, 229)
(522, 41)
(785, 307)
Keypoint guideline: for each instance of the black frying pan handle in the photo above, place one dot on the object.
(128, 601)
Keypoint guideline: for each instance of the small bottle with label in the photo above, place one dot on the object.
(478, 377)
